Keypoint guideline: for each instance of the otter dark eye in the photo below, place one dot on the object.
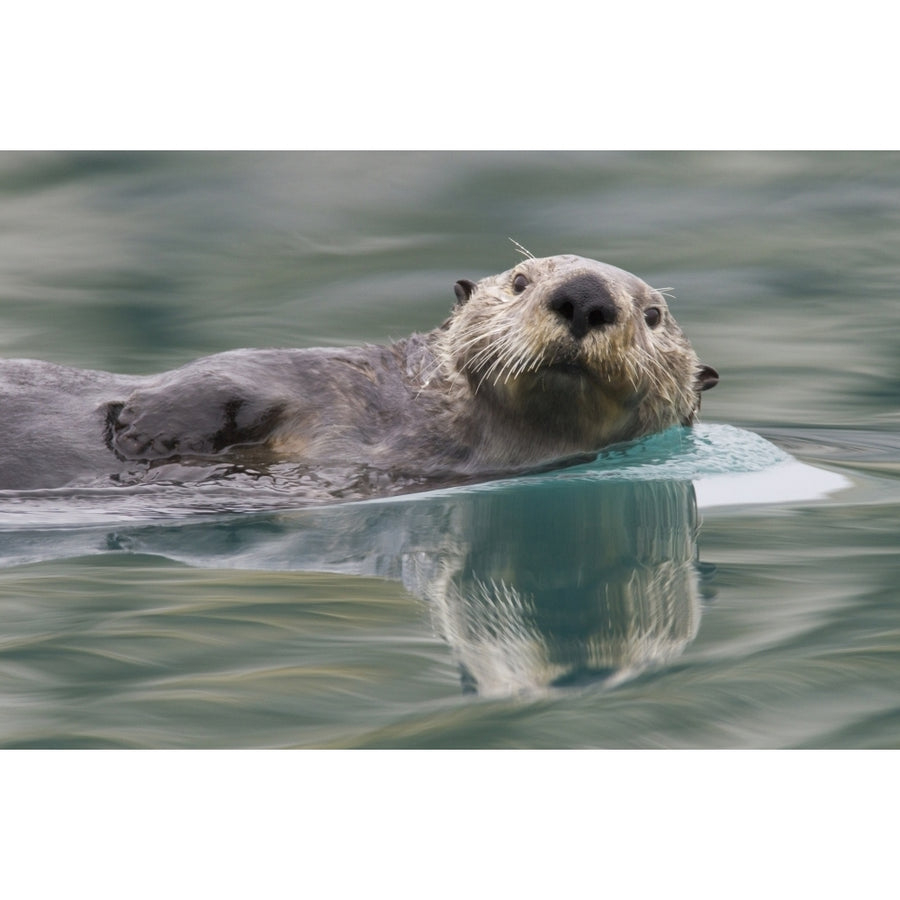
(520, 282)
(652, 317)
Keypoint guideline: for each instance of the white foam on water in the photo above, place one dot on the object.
(787, 482)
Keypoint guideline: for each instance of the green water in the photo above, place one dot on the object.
(550, 612)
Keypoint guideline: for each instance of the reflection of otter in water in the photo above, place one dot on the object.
(566, 587)
(547, 362)
(532, 583)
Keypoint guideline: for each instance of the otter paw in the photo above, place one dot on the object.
(151, 432)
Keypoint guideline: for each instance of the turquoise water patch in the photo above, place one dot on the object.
(686, 454)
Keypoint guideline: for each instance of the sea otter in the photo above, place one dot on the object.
(538, 366)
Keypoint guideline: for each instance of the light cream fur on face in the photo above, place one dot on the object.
(622, 379)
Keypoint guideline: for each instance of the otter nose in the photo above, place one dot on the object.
(586, 303)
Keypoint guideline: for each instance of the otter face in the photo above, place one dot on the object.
(576, 345)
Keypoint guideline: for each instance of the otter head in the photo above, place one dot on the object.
(577, 349)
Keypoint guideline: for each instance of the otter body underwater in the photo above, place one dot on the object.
(546, 363)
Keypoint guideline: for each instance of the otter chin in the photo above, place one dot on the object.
(552, 360)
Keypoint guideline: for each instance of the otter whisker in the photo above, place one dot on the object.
(506, 371)
(500, 365)
(482, 357)
(526, 253)
(648, 370)
(524, 362)
(497, 330)
(529, 363)
(498, 352)
(484, 375)
(511, 353)
(519, 354)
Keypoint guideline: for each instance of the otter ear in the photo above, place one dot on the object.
(463, 290)
(707, 377)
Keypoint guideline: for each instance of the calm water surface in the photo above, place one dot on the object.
(593, 609)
